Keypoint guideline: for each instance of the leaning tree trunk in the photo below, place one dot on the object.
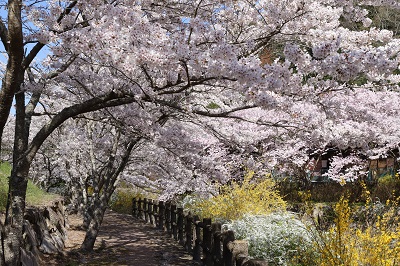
(104, 192)
(92, 231)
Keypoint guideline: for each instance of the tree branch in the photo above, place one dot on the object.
(38, 46)
(108, 100)
(62, 68)
(4, 35)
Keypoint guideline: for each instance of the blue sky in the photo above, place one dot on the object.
(3, 58)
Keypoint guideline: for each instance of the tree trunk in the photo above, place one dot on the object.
(12, 241)
(12, 232)
(88, 214)
(103, 191)
(13, 238)
(92, 231)
(14, 74)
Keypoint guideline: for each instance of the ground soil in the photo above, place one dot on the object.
(123, 240)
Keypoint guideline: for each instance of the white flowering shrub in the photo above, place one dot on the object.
(278, 238)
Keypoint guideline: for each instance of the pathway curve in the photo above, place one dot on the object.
(123, 240)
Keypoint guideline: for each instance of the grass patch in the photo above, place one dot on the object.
(34, 195)
(5, 170)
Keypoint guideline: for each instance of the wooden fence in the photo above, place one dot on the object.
(203, 239)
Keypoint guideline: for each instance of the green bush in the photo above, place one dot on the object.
(382, 189)
(386, 187)
(330, 191)
(121, 201)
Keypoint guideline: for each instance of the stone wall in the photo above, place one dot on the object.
(44, 232)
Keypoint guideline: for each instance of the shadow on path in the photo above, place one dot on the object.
(123, 240)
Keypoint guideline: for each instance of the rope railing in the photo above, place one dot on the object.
(203, 239)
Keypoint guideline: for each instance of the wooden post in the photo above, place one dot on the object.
(207, 242)
(216, 249)
(174, 222)
(150, 211)
(229, 236)
(189, 232)
(168, 218)
(145, 209)
(180, 227)
(161, 215)
(197, 240)
(156, 213)
(134, 207)
(140, 209)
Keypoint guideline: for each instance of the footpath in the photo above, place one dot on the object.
(123, 241)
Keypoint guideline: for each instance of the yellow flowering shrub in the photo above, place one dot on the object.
(347, 245)
(237, 199)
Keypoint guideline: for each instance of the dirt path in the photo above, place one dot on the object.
(123, 240)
